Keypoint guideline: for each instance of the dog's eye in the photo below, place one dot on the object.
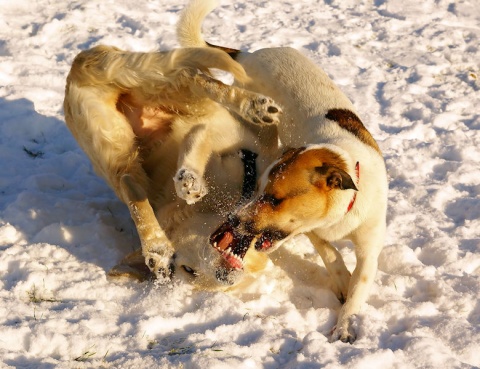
(189, 270)
(270, 199)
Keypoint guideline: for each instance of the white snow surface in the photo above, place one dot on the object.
(412, 70)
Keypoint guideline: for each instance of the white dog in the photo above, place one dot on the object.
(331, 184)
(145, 118)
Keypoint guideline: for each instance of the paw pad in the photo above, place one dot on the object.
(189, 186)
(262, 109)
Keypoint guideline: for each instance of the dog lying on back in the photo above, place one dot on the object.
(330, 184)
(145, 118)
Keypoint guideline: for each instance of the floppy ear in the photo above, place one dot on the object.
(333, 177)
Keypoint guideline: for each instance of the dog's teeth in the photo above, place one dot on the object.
(228, 253)
(237, 258)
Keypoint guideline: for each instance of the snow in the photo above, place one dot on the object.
(410, 67)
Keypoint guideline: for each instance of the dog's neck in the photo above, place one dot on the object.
(357, 173)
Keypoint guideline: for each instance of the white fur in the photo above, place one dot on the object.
(306, 94)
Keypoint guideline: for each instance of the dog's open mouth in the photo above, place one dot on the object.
(268, 238)
(231, 245)
(264, 242)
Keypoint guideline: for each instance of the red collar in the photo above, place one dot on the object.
(357, 172)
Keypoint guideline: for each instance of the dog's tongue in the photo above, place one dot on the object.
(225, 242)
(225, 245)
(232, 245)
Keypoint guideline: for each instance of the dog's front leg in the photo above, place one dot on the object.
(156, 248)
(195, 151)
(335, 265)
(253, 107)
(368, 244)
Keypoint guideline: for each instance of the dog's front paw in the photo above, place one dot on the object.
(262, 110)
(344, 331)
(189, 186)
(159, 264)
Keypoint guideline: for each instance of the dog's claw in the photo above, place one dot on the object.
(189, 186)
(159, 265)
(262, 109)
(344, 332)
(345, 335)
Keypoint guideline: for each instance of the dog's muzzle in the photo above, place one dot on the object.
(233, 239)
(266, 240)
(231, 244)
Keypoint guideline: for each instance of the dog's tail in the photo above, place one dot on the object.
(205, 58)
(189, 27)
(109, 65)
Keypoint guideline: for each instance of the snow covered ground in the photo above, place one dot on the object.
(411, 68)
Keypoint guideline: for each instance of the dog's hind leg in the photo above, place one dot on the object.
(253, 107)
(156, 75)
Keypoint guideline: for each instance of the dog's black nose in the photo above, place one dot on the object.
(223, 276)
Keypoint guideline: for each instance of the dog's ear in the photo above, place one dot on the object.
(333, 178)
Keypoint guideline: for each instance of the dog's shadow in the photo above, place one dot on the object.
(311, 283)
(50, 194)
(300, 277)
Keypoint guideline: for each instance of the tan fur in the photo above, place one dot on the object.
(131, 112)
(301, 191)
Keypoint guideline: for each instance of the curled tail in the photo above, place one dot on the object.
(189, 27)
(205, 58)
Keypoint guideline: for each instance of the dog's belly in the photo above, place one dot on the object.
(150, 124)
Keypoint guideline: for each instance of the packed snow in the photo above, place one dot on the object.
(412, 70)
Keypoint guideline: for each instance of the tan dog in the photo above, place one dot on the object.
(330, 185)
(145, 118)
